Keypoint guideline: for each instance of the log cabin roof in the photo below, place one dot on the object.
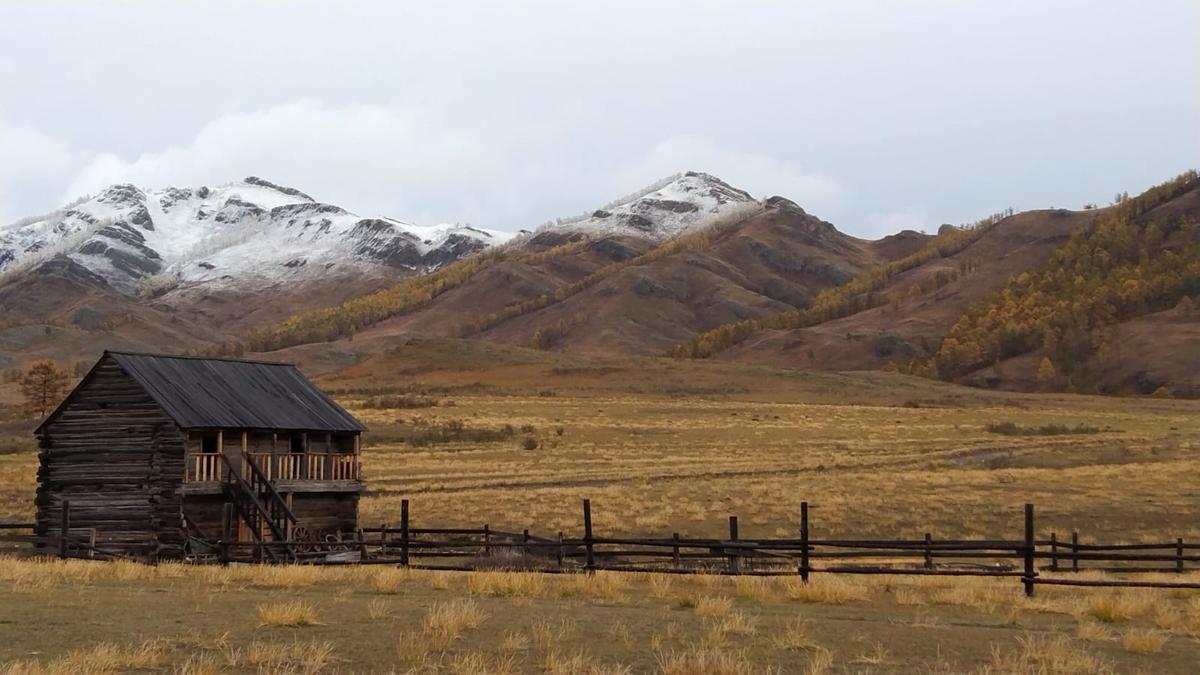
(206, 393)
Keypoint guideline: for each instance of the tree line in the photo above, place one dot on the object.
(1127, 263)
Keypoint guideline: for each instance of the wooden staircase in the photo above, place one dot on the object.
(260, 507)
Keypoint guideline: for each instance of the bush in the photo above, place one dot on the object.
(1013, 429)
(530, 443)
(402, 401)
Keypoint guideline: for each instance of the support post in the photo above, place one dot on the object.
(804, 568)
(226, 531)
(1054, 551)
(735, 563)
(928, 551)
(587, 536)
(404, 532)
(64, 528)
(1030, 572)
(1074, 550)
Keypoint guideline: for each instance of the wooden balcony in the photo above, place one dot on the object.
(289, 472)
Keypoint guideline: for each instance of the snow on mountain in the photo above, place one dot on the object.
(662, 210)
(252, 233)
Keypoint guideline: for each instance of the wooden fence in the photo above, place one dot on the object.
(1032, 561)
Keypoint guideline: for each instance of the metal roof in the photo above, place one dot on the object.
(201, 393)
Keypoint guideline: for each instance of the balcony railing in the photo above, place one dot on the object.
(315, 466)
(205, 467)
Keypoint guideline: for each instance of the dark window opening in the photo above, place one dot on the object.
(297, 444)
(208, 443)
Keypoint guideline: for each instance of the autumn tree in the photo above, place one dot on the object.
(1047, 374)
(43, 386)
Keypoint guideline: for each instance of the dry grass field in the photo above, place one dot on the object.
(82, 616)
(661, 446)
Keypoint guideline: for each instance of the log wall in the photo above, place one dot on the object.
(118, 458)
(325, 511)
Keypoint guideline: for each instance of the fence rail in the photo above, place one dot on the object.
(1032, 560)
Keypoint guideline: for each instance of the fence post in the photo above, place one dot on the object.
(928, 551)
(404, 532)
(487, 541)
(1179, 554)
(675, 557)
(1054, 551)
(383, 535)
(64, 528)
(735, 563)
(525, 543)
(804, 570)
(1074, 550)
(587, 535)
(226, 531)
(1030, 572)
(92, 543)
(560, 550)
(362, 542)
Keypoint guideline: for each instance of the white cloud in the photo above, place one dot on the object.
(32, 167)
(373, 159)
(761, 175)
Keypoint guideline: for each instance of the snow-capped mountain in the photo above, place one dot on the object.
(661, 211)
(249, 234)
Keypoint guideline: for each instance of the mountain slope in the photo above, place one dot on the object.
(1079, 287)
(622, 292)
(218, 260)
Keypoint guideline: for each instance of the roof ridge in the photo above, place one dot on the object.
(200, 358)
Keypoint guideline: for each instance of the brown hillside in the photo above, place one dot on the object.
(62, 311)
(774, 260)
(923, 306)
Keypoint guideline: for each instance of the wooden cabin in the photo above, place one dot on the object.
(148, 450)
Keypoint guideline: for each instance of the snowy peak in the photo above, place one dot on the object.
(662, 210)
(250, 234)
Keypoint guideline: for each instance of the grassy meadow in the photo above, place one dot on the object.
(58, 617)
(663, 446)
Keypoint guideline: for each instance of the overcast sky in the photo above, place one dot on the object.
(875, 116)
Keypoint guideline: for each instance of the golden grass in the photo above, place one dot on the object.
(796, 637)
(378, 609)
(294, 613)
(310, 657)
(105, 657)
(1090, 631)
(506, 584)
(446, 621)
(607, 586)
(734, 623)
(1143, 641)
(830, 590)
(1116, 607)
(546, 633)
(1053, 655)
(710, 660)
(389, 581)
(712, 605)
(753, 589)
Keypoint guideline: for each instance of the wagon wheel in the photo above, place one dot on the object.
(303, 536)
